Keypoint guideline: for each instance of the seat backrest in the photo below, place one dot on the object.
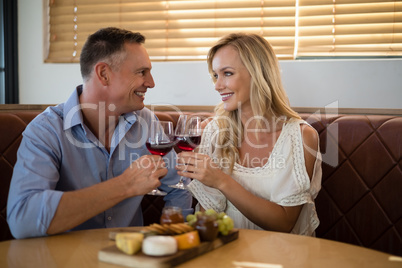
(11, 127)
(361, 197)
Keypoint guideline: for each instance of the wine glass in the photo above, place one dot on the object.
(188, 137)
(160, 141)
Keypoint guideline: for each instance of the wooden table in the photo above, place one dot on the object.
(80, 249)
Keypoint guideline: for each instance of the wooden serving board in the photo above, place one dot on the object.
(113, 255)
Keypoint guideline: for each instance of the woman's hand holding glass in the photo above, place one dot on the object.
(202, 168)
(188, 137)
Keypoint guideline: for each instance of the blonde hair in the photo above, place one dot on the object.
(267, 95)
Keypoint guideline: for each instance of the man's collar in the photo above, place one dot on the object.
(73, 114)
(72, 110)
(131, 117)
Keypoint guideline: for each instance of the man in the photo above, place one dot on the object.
(83, 164)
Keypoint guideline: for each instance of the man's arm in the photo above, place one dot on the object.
(76, 207)
(36, 208)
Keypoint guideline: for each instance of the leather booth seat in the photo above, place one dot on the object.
(361, 197)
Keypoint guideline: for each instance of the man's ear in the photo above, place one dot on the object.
(102, 73)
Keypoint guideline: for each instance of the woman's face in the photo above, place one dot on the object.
(232, 80)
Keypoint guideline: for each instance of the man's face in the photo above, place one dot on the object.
(129, 82)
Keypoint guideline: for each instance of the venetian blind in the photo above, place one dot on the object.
(185, 30)
(349, 28)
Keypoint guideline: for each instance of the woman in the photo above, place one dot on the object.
(258, 161)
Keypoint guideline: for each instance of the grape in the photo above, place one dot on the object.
(191, 217)
(221, 215)
(221, 226)
(228, 222)
(211, 212)
(225, 232)
(225, 223)
(198, 213)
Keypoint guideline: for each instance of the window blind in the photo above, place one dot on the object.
(185, 30)
(349, 28)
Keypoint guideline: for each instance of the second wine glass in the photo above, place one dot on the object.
(188, 137)
(160, 142)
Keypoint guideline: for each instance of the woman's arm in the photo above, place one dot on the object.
(268, 215)
(310, 146)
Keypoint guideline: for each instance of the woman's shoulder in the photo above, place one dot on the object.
(310, 141)
(309, 134)
(210, 124)
(205, 123)
(306, 129)
(209, 130)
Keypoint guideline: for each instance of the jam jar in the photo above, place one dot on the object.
(171, 215)
(207, 227)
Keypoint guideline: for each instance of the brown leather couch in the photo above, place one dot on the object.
(361, 197)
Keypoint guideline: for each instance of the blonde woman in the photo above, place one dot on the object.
(258, 161)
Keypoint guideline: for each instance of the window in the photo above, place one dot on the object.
(8, 52)
(349, 28)
(185, 30)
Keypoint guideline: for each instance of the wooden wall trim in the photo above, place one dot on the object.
(364, 111)
(200, 108)
(23, 107)
(183, 108)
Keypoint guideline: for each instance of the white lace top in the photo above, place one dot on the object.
(283, 179)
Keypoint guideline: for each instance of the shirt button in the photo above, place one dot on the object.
(109, 218)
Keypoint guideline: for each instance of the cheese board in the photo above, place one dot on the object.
(113, 255)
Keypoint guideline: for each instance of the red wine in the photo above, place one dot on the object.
(187, 143)
(159, 149)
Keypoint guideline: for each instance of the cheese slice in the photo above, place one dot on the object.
(129, 243)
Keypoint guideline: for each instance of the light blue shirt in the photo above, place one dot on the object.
(58, 153)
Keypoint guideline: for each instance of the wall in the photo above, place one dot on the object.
(309, 83)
